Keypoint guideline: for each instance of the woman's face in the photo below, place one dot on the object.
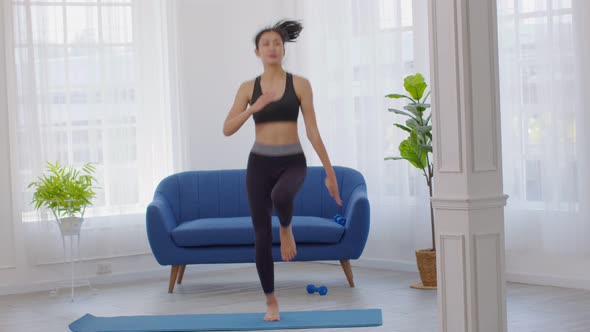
(270, 48)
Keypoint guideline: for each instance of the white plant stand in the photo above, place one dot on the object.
(70, 228)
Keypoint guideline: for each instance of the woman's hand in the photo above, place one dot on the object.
(332, 186)
(263, 100)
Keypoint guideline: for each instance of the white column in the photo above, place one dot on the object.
(468, 199)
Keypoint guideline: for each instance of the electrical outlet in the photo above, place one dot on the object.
(103, 268)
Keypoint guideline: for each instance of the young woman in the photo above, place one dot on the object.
(276, 165)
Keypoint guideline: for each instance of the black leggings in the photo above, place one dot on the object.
(271, 181)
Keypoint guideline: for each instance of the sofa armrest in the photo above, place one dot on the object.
(160, 222)
(358, 216)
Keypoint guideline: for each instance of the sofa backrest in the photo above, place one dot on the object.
(222, 193)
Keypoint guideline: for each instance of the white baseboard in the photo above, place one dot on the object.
(47, 286)
(523, 278)
(162, 272)
(547, 280)
(390, 265)
(381, 264)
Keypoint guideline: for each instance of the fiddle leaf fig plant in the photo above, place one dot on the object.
(417, 148)
(66, 191)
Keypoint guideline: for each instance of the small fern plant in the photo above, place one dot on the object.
(66, 191)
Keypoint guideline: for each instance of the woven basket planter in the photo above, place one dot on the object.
(426, 260)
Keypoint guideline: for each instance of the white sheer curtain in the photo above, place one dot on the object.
(355, 52)
(544, 76)
(89, 81)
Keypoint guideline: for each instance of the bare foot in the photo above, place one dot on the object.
(272, 311)
(288, 247)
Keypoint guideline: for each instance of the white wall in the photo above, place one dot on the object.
(216, 54)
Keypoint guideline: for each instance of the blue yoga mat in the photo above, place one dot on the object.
(229, 322)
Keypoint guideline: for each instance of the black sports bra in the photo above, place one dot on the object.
(284, 109)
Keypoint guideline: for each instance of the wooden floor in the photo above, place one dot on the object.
(530, 308)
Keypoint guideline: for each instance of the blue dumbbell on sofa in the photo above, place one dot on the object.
(322, 290)
(339, 219)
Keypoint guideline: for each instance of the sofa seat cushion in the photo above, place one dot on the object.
(239, 231)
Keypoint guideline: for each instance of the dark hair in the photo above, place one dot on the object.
(288, 30)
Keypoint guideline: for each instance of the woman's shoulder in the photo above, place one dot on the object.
(300, 83)
(247, 86)
(299, 79)
(248, 83)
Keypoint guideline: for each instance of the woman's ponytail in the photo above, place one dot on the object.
(287, 29)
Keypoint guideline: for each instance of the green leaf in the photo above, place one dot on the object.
(399, 112)
(417, 106)
(417, 109)
(415, 85)
(403, 127)
(423, 129)
(427, 148)
(412, 123)
(394, 158)
(398, 96)
(412, 151)
(413, 110)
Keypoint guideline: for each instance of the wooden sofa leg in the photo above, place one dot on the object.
(173, 275)
(181, 274)
(345, 263)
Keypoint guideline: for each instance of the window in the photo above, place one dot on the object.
(537, 75)
(81, 99)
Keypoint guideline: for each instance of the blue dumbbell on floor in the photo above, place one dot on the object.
(322, 290)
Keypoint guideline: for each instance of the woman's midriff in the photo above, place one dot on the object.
(281, 132)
